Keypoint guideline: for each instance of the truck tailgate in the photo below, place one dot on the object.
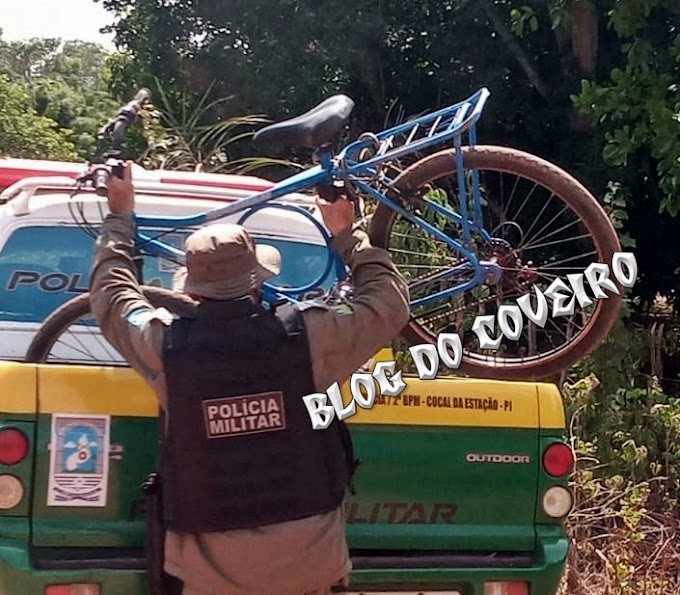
(449, 465)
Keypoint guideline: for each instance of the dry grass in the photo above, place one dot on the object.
(625, 540)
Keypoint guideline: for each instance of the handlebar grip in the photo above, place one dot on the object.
(143, 95)
(100, 181)
(131, 110)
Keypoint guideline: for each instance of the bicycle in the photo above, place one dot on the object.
(444, 217)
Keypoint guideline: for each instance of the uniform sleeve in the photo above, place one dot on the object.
(339, 341)
(126, 318)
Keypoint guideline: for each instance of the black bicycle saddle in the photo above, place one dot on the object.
(312, 129)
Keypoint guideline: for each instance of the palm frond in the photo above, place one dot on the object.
(251, 164)
(184, 135)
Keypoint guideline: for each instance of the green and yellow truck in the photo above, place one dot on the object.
(462, 487)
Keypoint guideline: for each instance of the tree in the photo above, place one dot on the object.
(23, 60)
(280, 58)
(636, 106)
(26, 134)
(66, 82)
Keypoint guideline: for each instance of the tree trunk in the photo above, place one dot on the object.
(515, 48)
(584, 37)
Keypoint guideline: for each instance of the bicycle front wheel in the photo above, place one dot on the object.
(545, 225)
(70, 334)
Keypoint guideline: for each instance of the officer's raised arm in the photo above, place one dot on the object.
(127, 319)
(342, 341)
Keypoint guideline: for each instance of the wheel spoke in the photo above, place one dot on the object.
(70, 334)
(554, 242)
(552, 265)
(541, 232)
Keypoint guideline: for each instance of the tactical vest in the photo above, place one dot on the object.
(239, 450)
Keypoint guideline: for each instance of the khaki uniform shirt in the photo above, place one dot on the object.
(292, 558)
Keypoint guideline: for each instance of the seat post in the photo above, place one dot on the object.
(324, 156)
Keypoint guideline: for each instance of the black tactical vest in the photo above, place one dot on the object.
(239, 450)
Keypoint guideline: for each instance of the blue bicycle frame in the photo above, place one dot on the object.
(416, 135)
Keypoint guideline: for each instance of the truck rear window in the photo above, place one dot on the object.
(43, 266)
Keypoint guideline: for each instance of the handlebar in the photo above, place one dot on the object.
(126, 116)
(115, 127)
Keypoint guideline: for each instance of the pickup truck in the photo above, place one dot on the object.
(462, 489)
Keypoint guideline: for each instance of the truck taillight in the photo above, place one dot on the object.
(11, 491)
(73, 589)
(558, 460)
(13, 446)
(557, 502)
(506, 588)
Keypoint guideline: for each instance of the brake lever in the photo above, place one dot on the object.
(99, 175)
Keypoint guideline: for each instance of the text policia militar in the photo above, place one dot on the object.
(449, 347)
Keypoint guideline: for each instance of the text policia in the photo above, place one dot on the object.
(510, 320)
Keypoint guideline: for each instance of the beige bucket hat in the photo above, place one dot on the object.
(223, 262)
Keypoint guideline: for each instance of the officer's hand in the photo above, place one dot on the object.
(121, 192)
(338, 216)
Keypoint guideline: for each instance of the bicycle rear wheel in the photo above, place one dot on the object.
(548, 225)
(70, 334)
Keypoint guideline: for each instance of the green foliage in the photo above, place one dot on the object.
(26, 134)
(639, 107)
(640, 110)
(23, 60)
(280, 58)
(615, 203)
(630, 16)
(624, 430)
(120, 75)
(523, 17)
(632, 425)
(66, 83)
(635, 104)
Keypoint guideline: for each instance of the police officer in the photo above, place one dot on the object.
(252, 494)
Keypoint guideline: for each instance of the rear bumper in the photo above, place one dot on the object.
(543, 573)
(18, 577)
